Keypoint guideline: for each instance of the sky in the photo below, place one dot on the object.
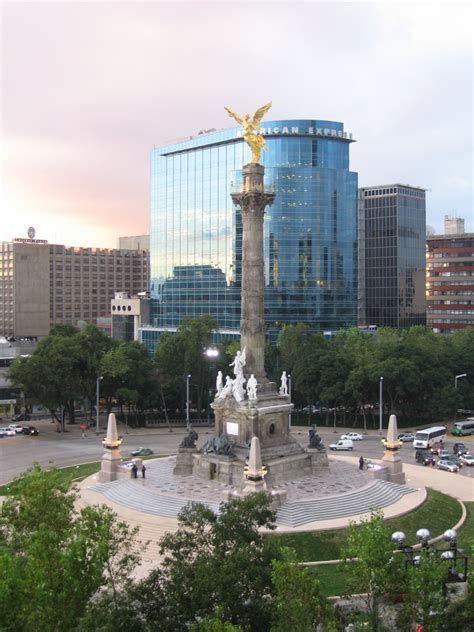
(88, 88)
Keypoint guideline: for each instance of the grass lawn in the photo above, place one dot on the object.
(74, 473)
(438, 513)
(466, 535)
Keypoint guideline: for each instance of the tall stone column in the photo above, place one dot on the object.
(253, 200)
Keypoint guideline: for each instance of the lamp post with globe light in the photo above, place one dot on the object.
(457, 569)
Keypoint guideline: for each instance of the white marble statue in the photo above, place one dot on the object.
(238, 390)
(252, 387)
(284, 384)
(227, 390)
(239, 362)
(219, 383)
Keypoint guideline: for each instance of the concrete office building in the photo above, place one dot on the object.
(392, 233)
(134, 242)
(44, 284)
(310, 231)
(450, 278)
(453, 225)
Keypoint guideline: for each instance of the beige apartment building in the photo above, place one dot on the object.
(450, 278)
(44, 284)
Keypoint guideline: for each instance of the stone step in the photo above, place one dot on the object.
(379, 494)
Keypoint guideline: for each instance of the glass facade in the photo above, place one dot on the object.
(392, 229)
(310, 231)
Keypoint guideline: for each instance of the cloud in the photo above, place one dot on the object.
(89, 88)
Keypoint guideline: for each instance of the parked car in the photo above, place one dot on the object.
(467, 459)
(424, 457)
(17, 428)
(30, 430)
(437, 447)
(406, 437)
(342, 444)
(21, 417)
(142, 452)
(8, 432)
(453, 458)
(353, 436)
(444, 454)
(448, 466)
(459, 448)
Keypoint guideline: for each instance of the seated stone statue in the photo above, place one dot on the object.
(189, 440)
(315, 440)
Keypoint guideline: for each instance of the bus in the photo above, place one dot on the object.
(463, 428)
(426, 437)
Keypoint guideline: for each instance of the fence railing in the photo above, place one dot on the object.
(176, 423)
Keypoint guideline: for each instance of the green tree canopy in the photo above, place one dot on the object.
(54, 559)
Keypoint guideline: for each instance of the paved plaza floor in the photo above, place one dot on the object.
(330, 500)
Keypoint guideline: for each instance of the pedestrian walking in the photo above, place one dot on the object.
(361, 463)
(135, 470)
(143, 470)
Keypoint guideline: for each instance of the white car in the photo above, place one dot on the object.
(353, 436)
(467, 459)
(17, 428)
(7, 432)
(449, 466)
(342, 444)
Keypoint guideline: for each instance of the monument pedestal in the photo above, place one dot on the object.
(391, 468)
(110, 466)
(319, 458)
(184, 462)
(267, 418)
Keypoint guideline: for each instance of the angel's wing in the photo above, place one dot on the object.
(234, 115)
(259, 114)
(244, 356)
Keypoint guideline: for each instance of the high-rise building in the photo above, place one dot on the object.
(44, 284)
(450, 280)
(453, 225)
(392, 230)
(310, 231)
(134, 242)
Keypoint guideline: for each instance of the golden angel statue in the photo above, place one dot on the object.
(251, 127)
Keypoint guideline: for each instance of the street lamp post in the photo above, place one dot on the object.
(188, 377)
(456, 378)
(211, 354)
(380, 404)
(97, 382)
(289, 393)
(457, 562)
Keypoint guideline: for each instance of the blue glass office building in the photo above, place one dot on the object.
(310, 232)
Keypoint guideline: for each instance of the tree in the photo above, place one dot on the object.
(182, 354)
(425, 599)
(297, 600)
(52, 374)
(126, 370)
(213, 561)
(53, 559)
(369, 566)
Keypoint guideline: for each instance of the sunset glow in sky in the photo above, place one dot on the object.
(87, 89)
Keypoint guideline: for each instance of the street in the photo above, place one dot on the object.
(51, 448)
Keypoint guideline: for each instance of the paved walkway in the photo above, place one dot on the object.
(329, 501)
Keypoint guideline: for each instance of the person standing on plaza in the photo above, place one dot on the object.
(143, 470)
(361, 463)
(135, 470)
